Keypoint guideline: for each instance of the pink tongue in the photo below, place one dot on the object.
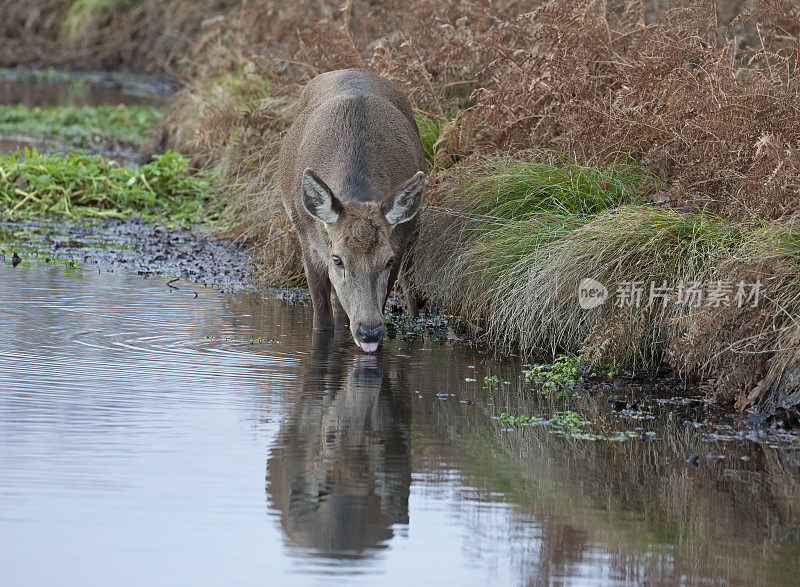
(369, 347)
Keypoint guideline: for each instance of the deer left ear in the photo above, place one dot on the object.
(407, 202)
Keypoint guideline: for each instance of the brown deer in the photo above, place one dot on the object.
(351, 176)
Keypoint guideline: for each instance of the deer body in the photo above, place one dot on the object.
(351, 176)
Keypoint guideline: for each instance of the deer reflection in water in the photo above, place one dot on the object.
(340, 471)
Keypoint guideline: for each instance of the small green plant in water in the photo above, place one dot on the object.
(559, 377)
(263, 340)
(519, 421)
(490, 381)
(569, 425)
(606, 369)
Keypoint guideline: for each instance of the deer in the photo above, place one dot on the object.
(351, 173)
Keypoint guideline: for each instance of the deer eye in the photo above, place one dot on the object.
(390, 262)
(337, 260)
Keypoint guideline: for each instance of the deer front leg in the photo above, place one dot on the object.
(410, 297)
(320, 287)
(408, 292)
(340, 317)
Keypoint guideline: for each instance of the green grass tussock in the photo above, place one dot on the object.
(81, 16)
(78, 185)
(514, 189)
(81, 125)
(520, 236)
(507, 244)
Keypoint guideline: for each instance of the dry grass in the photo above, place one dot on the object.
(718, 117)
(105, 34)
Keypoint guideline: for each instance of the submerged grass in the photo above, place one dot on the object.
(79, 125)
(79, 185)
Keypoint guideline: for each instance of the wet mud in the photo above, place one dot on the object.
(132, 245)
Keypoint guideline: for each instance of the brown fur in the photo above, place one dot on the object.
(355, 131)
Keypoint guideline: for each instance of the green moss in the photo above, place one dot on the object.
(79, 185)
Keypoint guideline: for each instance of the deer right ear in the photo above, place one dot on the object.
(318, 199)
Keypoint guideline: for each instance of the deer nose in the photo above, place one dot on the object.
(370, 334)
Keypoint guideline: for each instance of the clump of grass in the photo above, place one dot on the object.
(123, 123)
(82, 15)
(502, 221)
(439, 139)
(515, 189)
(79, 184)
(509, 247)
(429, 130)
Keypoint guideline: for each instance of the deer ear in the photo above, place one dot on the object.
(407, 202)
(318, 198)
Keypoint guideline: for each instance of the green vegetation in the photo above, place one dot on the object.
(509, 420)
(560, 376)
(79, 185)
(83, 16)
(516, 189)
(606, 369)
(508, 246)
(569, 424)
(79, 126)
(429, 131)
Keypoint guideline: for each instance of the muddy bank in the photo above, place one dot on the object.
(131, 245)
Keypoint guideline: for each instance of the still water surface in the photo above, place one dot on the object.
(149, 436)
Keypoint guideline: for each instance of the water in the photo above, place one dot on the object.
(151, 437)
(33, 88)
